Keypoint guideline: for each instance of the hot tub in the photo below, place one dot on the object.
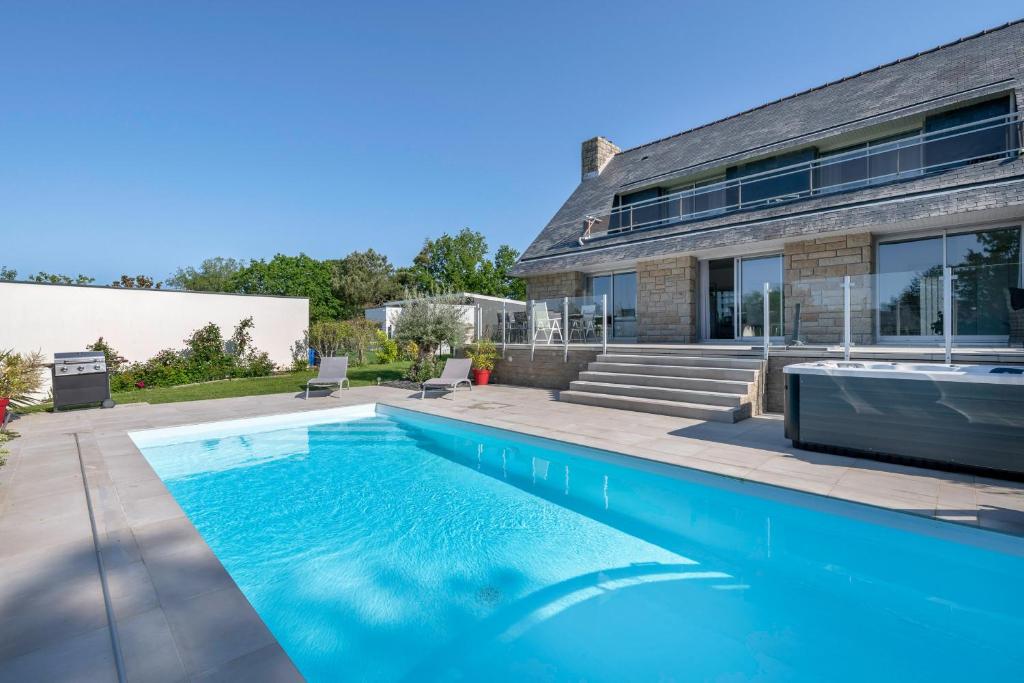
(954, 417)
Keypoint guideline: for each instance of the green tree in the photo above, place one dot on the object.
(362, 280)
(504, 284)
(8, 274)
(213, 275)
(57, 279)
(459, 263)
(136, 282)
(291, 276)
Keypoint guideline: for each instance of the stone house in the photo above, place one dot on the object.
(901, 182)
(895, 173)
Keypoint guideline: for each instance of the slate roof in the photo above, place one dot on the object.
(986, 63)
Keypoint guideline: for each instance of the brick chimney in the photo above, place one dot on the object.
(595, 155)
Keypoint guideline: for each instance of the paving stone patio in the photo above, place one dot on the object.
(179, 616)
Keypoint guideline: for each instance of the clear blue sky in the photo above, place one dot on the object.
(152, 135)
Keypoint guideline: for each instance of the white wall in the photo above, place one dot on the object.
(139, 322)
(387, 315)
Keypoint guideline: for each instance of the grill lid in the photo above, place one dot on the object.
(77, 357)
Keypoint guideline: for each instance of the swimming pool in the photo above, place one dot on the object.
(384, 544)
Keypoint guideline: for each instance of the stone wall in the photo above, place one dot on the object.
(547, 370)
(556, 285)
(813, 272)
(667, 293)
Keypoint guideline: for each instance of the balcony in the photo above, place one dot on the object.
(912, 156)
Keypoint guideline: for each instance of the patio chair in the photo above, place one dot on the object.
(519, 326)
(333, 370)
(585, 324)
(456, 372)
(545, 327)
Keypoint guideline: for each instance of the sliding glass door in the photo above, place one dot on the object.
(734, 298)
(620, 288)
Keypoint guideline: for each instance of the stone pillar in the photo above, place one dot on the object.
(813, 273)
(666, 307)
(595, 154)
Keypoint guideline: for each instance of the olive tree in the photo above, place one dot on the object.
(430, 322)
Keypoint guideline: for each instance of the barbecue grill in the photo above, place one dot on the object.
(79, 378)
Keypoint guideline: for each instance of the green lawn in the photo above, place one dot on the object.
(360, 376)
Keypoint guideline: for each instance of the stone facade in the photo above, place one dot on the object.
(556, 285)
(813, 272)
(595, 154)
(667, 291)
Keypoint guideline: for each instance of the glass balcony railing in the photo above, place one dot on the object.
(983, 304)
(872, 164)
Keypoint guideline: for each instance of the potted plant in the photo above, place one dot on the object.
(484, 354)
(21, 376)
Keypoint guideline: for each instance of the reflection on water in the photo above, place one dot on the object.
(406, 548)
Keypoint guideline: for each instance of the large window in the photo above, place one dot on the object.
(985, 266)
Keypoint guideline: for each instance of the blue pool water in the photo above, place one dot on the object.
(396, 546)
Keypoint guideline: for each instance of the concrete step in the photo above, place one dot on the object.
(725, 373)
(714, 398)
(694, 383)
(657, 406)
(686, 361)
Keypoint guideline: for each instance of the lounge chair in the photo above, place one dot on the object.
(456, 372)
(333, 370)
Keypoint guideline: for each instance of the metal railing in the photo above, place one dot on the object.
(912, 156)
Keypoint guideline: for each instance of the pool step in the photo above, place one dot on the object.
(697, 387)
(696, 411)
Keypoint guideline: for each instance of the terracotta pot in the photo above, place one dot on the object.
(3, 410)
(481, 376)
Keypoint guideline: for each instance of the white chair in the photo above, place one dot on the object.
(544, 326)
(333, 370)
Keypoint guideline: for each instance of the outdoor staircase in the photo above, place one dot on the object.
(721, 389)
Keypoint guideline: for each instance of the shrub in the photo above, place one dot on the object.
(409, 351)
(300, 352)
(483, 353)
(387, 349)
(113, 359)
(423, 369)
(256, 364)
(21, 376)
(207, 356)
